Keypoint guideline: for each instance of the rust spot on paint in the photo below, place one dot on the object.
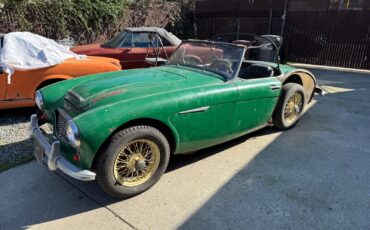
(101, 97)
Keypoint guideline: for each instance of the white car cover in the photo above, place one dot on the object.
(28, 51)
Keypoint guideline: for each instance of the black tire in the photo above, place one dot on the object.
(288, 91)
(106, 159)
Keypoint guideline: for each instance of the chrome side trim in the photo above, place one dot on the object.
(197, 110)
(52, 157)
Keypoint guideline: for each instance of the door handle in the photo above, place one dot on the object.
(275, 87)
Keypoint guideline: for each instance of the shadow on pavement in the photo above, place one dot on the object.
(35, 195)
(179, 161)
(315, 176)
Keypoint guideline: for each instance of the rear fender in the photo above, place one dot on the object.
(307, 79)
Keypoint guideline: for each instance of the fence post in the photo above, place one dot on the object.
(284, 18)
(237, 28)
(270, 22)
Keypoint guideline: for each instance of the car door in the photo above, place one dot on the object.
(256, 102)
(130, 56)
(3, 84)
(135, 56)
(124, 52)
(206, 119)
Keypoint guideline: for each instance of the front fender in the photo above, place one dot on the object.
(98, 124)
(54, 93)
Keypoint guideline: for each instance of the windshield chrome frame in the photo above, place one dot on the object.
(239, 63)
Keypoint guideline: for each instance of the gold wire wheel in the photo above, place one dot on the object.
(136, 162)
(293, 107)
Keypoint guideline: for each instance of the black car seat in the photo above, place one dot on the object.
(255, 71)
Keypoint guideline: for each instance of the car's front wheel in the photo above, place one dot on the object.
(290, 106)
(133, 161)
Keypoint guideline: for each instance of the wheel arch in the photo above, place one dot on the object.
(50, 79)
(304, 78)
(155, 123)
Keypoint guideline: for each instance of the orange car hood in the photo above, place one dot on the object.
(93, 60)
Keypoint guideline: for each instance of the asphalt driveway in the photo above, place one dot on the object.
(315, 176)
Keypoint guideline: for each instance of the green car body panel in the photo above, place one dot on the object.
(184, 99)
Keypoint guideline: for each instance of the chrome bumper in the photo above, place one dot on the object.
(52, 157)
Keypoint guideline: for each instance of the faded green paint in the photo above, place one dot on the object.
(110, 100)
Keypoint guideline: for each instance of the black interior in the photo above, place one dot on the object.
(256, 70)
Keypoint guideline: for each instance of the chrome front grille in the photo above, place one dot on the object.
(61, 126)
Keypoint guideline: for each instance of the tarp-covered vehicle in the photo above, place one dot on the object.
(121, 128)
(29, 62)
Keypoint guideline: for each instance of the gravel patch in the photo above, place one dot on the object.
(16, 147)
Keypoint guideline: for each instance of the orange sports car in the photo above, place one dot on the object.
(21, 90)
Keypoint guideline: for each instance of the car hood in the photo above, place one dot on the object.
(129, 84)
(93, 60)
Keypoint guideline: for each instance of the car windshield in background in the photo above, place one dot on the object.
(116, 41)
(259, 47)
(220, 58)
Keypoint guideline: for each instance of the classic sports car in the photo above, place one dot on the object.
(21, 91)
(121, 129)
(134, 45)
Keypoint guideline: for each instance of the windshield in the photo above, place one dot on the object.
(116, 41)
(259, 48)
(220, 58)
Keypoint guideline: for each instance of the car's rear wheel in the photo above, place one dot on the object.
(290, 106)
(133, 161)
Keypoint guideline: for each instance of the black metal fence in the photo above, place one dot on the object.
(315, 32)
(333, 38)
(208, 27)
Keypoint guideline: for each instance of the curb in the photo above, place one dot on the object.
(322, 67)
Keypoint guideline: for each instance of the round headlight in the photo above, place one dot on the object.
(72, 134)
(39, 100)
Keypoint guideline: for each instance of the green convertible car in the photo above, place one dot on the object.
(121, 128)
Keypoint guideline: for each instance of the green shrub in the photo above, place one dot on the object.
(84, 20)
(92, 21)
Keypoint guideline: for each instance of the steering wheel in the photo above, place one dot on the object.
(222, 65)
(193, 60)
